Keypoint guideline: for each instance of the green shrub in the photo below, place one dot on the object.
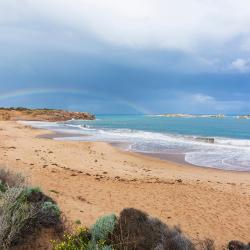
(81, 240)
(103, 227)
(23, 212)
(27, 193)
(13, 216)
(50, 208)
(93, 239)
(30, 190)
(78, 222)
(3, 187)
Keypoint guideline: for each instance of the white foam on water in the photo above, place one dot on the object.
(224, 153)
(224, 159)
(233, 142)
(55, 126)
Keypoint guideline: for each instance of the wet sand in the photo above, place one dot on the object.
(56, 135)
(173, 157)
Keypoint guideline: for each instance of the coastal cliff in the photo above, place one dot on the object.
(52, 115)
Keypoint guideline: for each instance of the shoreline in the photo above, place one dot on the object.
(90, 179)
(224, 153)
(178, 158)
(175, 158)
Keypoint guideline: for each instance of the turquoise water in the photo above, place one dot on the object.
(228, 146)
(210, 127)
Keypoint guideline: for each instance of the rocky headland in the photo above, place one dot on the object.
(243, 117)
(193, 116)
(51, 115)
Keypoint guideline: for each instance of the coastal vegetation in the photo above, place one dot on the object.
(136, 230)
(26, 213)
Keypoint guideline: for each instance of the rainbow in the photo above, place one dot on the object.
(42, 91)
(39, 91)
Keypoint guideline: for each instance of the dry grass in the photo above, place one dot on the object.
(10, 179)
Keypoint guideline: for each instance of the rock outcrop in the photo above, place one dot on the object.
(193, 116)
(52, 115)
(205, 139)
(243, 117)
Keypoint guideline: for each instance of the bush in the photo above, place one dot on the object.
(206, 244)
(135, 230)
(23, 211)
(93, 239)
(50, 208)
(14, 215)
(237, 245)
(103, 227)
(9, 179)
(81, 240)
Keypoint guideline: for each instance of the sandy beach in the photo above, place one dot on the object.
(90, 179)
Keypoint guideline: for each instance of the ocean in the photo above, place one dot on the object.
(222, 143)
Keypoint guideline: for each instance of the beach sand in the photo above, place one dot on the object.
(90, 179)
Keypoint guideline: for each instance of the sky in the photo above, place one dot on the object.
(126, 57)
